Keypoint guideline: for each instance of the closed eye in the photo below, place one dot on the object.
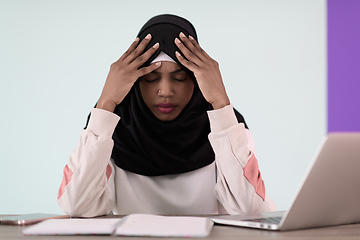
(179, 80)
(180, 76)
(151, 77)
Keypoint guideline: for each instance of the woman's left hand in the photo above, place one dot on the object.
(205, 69)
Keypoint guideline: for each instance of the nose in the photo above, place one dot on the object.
(165, 88)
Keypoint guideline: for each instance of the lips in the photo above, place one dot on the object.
(165, 107)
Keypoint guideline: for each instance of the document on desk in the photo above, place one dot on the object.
(74, 226)
(132, 225)
(163, 226)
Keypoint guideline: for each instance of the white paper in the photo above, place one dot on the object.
(73, 227)
(132, 225)
(164, 226)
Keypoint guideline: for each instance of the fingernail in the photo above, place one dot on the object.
(157, 64)
(136, 39)
(177, 40)
(182, 34)
(191, 38)
(177, 53)
(148, 36)
(156, 45)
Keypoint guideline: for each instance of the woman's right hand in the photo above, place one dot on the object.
(124, 73)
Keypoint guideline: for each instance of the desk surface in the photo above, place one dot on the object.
(351, 231)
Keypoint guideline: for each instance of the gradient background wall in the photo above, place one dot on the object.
(55, 55)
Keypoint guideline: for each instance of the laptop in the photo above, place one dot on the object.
(328, 196)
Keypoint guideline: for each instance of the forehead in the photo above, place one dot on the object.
(168, 67)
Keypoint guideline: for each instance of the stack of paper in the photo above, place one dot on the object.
(74, 226)
(132, 225)
(160, 226)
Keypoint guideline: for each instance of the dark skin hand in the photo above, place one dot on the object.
(124, 73)
(205, 69)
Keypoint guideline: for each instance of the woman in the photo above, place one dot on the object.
(163, 137)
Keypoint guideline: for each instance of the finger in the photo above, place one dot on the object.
(187, 53)
(145, 70)
(195, 49)
(140, 60)
(196, 44)
(130, 49)
(139, 49)
(190, 65)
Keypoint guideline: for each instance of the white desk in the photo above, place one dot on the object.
(351, 231)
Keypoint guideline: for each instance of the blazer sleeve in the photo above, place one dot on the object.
(239, 187)
(87, 188)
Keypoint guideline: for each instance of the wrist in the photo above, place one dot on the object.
(106, 105)
(220, 103)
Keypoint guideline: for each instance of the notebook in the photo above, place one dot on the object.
(164, 226)
(328, 196)
(131, 225)
(74, 226)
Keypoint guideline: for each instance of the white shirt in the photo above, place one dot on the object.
(93, 185)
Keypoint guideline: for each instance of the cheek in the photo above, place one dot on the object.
(145, 90)
(188, 91)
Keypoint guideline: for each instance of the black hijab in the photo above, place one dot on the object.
(145, 145)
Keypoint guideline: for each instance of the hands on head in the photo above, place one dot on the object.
(125, 71)
(205, 69)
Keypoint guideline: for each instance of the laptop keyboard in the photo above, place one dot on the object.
(271, 220)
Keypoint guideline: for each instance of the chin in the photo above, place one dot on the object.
(166, 117)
